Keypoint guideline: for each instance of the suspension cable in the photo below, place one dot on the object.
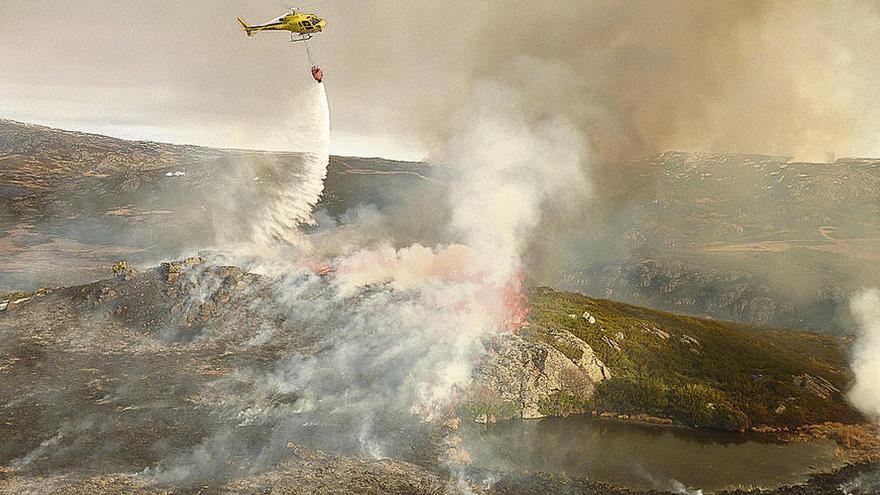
(309, 54)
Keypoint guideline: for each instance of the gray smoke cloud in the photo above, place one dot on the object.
(735, 75)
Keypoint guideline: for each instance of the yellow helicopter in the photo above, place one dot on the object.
(300, 25)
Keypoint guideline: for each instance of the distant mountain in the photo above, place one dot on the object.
(73, 203)
(38, 158)
(753, 199)
(760, 239)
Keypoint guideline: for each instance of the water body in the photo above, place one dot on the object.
(646, 456)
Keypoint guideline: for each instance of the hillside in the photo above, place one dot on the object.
(138, 370)
(37, 158)
(637, 361)
(759, 239)
(699, 372)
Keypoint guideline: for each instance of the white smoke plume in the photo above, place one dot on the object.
(865, 393)
(513, 157)
(865, 484)
(865, 364)
(672, 486)
(397, 332)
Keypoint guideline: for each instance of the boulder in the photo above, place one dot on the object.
(193, 261)
(653, 330)
(611, 343)
(816, 385)
(171, 271)
(231, 273)
(122, 270)
(578, 351)
(589, 318)
(523, 376)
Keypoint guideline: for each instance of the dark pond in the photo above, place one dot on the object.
(645, 456)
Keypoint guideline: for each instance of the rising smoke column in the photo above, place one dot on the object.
(300, 189)
(513, 160)
(865, 364)
(865, 393)
(399, 331)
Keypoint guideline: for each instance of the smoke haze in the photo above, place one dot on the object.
(521, 114)
(748, 76)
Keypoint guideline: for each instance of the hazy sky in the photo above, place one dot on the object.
(792, 77)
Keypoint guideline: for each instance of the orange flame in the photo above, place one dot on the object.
(516, 304)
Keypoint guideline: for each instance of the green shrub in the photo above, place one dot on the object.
(482, 399)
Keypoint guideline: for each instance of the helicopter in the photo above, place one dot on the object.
(300, 25)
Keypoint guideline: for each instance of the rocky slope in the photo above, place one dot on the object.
(38, 158)
(759, 239)
(312, 472)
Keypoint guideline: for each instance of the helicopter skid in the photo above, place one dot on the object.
(296, 39)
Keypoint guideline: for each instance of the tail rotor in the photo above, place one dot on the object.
(247, 29)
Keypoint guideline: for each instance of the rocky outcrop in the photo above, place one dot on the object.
(816, 385)
(578, 351)
(589, 318)
(653, 330)
(675, 285)
(611, 343)
(523, 378)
